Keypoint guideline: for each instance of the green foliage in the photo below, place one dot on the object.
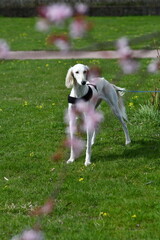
(117, 197)
(148, 114)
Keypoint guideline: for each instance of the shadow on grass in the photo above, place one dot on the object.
(149, 149)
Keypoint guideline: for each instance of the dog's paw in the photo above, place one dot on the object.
(128, 142)
(70, 161)
(92, 143)
(87, 163)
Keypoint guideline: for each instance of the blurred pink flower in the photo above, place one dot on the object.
(42, 25)
(60, 41)
(123, 48)
(42, 11)
(82, 107)
(30, 234)
(92, 118)
(129, 66)
(79, 27)
(77, 145)
(93, 74)
(57, 12)
(81, 8)
(154, 66)
(45, 209)
(122, 43)
(127, 63)
(4, 49)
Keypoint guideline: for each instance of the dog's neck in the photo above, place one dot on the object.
(79, 91)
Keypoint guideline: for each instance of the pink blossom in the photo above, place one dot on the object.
(62, 44)
(129, 66)
(45, 209)
(30, 235)
(125, 53)
(154, 66)
(60, 41)
(4, 48)
(79, 28)
(93, 74)
(42, 25)
(127, 63)
(123, 48)
(58, 12)
(122, 43)
(77, 145)
(82, 107)
(42, 11)
(91, 117)
(81, 8)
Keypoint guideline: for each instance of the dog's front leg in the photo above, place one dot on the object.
(72, 127)
(88, 150)
(93, 137)
(72, 155)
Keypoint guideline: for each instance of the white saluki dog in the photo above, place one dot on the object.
(102, 90)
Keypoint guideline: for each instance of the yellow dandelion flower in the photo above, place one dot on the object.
(81, 179)
(134, 97)
(31, 154)
(104, 214)
(53, 104)
(25, 103)
(47, 65)
(134, 216)
(131, 104)
(39, 106)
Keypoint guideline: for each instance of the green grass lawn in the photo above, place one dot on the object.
(123, 182)
(21, 35)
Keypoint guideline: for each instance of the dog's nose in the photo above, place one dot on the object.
(83, 82)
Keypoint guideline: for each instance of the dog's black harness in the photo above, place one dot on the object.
(85, 98)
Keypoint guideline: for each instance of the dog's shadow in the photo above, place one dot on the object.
(148, 149)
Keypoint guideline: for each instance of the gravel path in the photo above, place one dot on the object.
(77, 54)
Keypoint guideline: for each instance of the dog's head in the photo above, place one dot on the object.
(77, 74)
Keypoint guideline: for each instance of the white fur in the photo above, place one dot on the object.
(76, 78)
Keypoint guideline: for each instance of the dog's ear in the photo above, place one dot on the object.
(87, 68)
(69, 78)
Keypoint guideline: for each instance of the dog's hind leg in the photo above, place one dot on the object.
(113, 98)
(118, 114)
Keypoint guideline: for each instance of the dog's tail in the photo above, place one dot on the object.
(120, 93)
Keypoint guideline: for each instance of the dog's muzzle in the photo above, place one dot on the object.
(83, 82)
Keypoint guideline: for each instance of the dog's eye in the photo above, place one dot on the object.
(77, 72)
(84, 71)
